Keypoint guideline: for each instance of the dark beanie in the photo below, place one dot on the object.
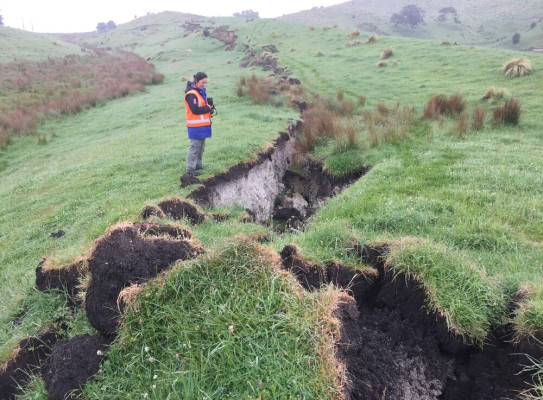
(199, 76)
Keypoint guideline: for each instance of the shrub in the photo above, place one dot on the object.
(479, 117)
(516, 38)
(508, 114)
(387, 53)
(517, 67)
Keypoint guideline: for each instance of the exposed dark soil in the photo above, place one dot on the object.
(394, 348)
(306, 188)
(71, 363)
(222, 33)
(175, 209)
(29, 355)
(125, 257)
(66, 278)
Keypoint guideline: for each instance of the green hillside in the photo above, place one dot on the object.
(484, 23)
(22, 45)
(457, 207)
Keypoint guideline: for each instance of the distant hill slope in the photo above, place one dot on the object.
(482, 22)
(19, 45)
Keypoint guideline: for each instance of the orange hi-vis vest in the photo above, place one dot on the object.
(195, 120)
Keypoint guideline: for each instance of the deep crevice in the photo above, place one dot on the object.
(280, 185)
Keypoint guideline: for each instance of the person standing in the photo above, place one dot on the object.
(198, 121)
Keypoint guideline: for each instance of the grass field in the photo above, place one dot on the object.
(466, 207)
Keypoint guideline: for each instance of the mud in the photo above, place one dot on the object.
(26, 359)
(71, 363)
(395, 348)
(125, 257)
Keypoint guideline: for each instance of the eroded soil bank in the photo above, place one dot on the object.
(394, 348)
(281, 184)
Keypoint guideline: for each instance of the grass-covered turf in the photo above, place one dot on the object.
(228, 325)
(470, 202)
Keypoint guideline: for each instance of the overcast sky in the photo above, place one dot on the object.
(82, 16)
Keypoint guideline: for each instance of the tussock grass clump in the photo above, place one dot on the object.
(352, 43)
(461, 127)
(268, 90)
(517, 67)
(494, 94)
(508, 114)
(328, 118)
(387, 53)
(388, 123)
(372, 39)
(442, 105)
(382, 64)
(259, 89)
(479, 117)
(354, 33)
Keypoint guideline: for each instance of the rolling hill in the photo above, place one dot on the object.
(484, 23)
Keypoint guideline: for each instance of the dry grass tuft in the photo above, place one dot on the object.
(387, 53)
(354, 33)
(517, 67)
(382, 64)
(372, 39)
(352, 43)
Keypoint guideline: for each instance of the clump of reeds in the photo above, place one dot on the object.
(387, 53)
(442, 105)
(517, 67)
(508, 114)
